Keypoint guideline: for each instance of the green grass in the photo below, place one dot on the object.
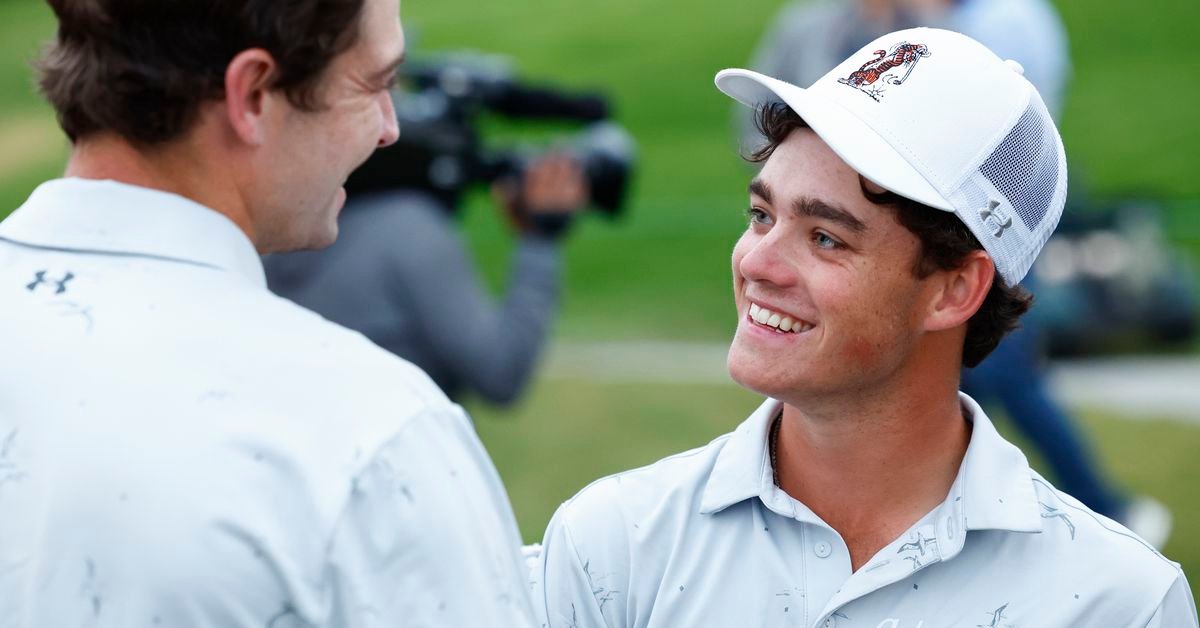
(24, 25)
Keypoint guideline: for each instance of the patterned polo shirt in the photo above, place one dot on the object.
(705, 538)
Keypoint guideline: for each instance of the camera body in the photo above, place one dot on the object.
(441, 152)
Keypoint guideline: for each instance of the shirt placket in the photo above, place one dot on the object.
(824, 558)
(936, 538)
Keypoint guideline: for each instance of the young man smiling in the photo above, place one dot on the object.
(903, 197)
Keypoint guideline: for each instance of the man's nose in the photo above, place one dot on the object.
(771, 259)
(391, 126)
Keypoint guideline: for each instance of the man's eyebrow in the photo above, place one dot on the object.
(759, 188)
(385, 74)
(812, 207)
(816, 208)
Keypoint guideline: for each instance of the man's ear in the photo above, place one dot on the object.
(960, 292)
(248, 96)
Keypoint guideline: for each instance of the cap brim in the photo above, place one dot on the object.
(849, 137)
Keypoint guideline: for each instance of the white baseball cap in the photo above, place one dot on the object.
(936, 117)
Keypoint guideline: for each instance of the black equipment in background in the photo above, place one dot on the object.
(440, 150)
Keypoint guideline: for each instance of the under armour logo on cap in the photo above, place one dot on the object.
(993, 217)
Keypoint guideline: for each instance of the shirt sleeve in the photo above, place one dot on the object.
(488, 346)
(427, 537)
(565, 594)
(1177, 609)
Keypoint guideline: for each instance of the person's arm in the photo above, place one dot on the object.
(1177, 609)
(488, 347)
(427, 536)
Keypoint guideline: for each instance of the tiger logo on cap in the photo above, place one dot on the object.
(901, 57)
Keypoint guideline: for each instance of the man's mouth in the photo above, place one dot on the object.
(783, 323)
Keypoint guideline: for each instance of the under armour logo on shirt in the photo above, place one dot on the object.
(994, 218)
(40, 278)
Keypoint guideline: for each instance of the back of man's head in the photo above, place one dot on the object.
(141, 68)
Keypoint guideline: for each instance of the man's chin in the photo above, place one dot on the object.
(755, 373)
(339, 200)
(312, 240)
(325, 238)
(745, 370)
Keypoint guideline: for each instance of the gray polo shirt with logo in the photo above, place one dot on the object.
(705, 538)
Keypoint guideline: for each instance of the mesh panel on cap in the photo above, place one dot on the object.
(1014, 199)
(1024, 167)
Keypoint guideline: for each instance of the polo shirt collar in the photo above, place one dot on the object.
(995, 483)
(743, 468)
(993, 488)
(108, 217)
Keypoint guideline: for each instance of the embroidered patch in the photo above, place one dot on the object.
(884, 69)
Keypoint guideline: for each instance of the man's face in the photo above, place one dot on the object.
(315, 151)
(833, 266)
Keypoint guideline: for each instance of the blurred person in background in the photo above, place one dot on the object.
(810, 36)
(866, 490)
(401, 273)
(178, 446)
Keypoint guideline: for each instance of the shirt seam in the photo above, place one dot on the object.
(120, 254)
(1100, 523)
(685, 454)
(1162, 599)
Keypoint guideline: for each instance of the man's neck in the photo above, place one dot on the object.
(872, 465)
(176, 168)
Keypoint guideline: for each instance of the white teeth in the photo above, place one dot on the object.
(763, 316)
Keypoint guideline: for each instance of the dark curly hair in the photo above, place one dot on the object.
(141, 68)
(945, 243)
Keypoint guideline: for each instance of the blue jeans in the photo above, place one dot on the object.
(1013, 376)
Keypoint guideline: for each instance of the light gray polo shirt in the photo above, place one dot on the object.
(705, 538)
(179, 448)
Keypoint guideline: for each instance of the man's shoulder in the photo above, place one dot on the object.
(1095, 549)
(645, 497)
(323, 345)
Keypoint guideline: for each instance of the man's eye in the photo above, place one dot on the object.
(823, 240)
(758, 216)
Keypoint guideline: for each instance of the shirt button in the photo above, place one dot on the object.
(822, 550)
(829, 622)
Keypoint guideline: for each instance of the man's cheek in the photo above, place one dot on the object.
(861, 349)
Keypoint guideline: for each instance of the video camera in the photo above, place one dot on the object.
(440, 150)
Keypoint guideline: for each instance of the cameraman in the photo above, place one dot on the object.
(401, 274)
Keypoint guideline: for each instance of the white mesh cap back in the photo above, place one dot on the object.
(936, 117)
(1013, 199)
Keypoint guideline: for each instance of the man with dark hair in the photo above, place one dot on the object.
(805, 39)
(903, 197)
(178, 447)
